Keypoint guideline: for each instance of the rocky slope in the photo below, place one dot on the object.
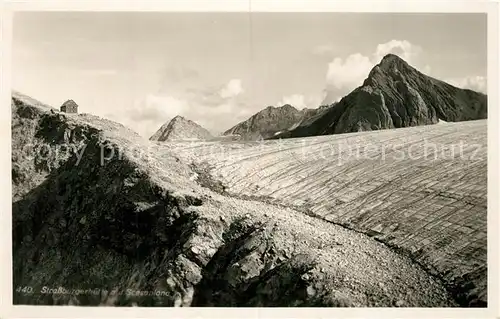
(108, 220)
(180, 128)
(395, 95)
(269, 122)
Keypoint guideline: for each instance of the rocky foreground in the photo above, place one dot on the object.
(110, 222)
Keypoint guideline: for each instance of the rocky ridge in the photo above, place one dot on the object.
(395, 95)
(269, 122)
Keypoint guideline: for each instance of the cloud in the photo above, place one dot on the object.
(403, 49)
(233, 88)
(213, 107)
(475, 83)
(160, 106)
(349, 72)
(331, 96)
(344, 75)
(146, 115)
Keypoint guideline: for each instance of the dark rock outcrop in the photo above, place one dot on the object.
(180, 128)
(395, 95)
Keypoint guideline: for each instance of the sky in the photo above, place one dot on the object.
(217, 69)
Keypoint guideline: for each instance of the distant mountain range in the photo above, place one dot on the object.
(393, 95)
(180, 128)
(270, 121)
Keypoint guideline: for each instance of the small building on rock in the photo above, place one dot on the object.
(69, 107)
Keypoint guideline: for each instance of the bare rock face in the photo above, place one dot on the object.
(268, 122)
(395, 95)
(357, 118)
(180, 128)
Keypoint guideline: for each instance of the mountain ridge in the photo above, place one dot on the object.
(270, 121)
(395, 95)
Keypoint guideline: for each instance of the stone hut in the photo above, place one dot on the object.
(69, 107)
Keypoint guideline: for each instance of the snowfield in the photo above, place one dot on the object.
(421, 190)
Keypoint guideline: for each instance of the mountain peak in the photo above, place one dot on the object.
(285, 107)
(178, 118)
(391, 58)
(267, 122)
(392, 61)
(288, 106)
(395, 95)
(391, 65)
(180, 128)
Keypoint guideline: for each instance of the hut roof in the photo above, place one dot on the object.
(70, 103)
